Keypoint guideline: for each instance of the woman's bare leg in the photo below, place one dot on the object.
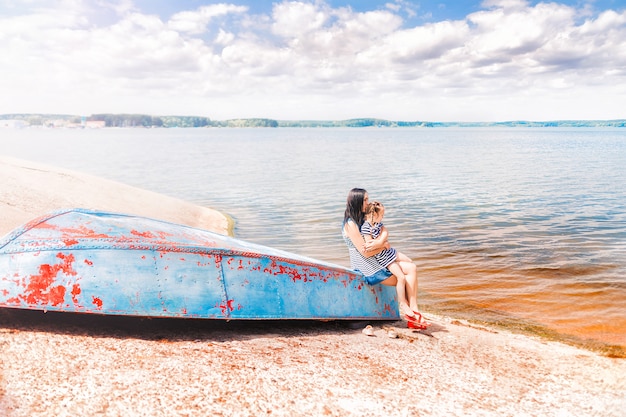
(396, 270)
(410, 272)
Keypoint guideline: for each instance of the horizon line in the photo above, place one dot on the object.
(3, 116)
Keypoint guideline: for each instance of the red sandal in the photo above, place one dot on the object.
(417, 322)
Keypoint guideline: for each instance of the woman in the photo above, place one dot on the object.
(363, 260)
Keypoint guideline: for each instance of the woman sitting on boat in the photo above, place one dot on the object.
(363, 260)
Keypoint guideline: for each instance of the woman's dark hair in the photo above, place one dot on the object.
(354, 206)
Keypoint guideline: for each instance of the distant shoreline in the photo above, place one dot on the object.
(110, 120)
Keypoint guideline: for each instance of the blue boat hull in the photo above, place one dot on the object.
(108, 263)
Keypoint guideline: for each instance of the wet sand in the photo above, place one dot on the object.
(65, 365)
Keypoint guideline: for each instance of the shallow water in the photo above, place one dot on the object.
(520, 227)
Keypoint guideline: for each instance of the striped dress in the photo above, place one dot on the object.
(385, 257)
(367, 266)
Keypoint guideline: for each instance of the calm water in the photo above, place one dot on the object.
(520, 227)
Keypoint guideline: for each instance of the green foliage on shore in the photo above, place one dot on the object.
(148, 121)
(143, 120)
(247, 123)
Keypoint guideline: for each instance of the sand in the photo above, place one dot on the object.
(31, 189)
(57, 364)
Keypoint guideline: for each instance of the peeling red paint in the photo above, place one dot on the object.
(75, 292)
(82, 231)
(227, 308)
(97, 302)
(14, 300)
(56, 295)
(147, 235)
(164, 235)
(42, 226)
(218, 260)
(70, 242)
(40, 289)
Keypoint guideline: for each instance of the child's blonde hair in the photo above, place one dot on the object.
(373, 209)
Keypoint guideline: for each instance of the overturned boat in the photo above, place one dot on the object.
(87, 261)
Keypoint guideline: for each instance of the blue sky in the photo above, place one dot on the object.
(490, 60)
(414, 12)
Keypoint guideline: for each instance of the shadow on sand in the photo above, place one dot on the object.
(93, 325)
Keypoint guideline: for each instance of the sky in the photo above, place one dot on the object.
(492, 60)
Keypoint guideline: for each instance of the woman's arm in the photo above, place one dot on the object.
(377, 245)
(373, 246)
(380, 243)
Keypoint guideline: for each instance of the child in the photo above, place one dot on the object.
(373, 228)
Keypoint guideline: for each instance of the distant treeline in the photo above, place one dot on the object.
(143, 120)
(147, 121)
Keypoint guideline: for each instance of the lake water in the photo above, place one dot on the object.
(521, 227)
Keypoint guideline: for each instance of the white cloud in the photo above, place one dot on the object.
(514, 33)
(195, 22)
(309, 60)
(224, 37)
(294, 19)
(402, 5)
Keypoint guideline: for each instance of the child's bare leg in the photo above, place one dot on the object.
(400, 257)
(401, 287)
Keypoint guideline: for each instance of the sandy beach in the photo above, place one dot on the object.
(56, 364)
(30, 190)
